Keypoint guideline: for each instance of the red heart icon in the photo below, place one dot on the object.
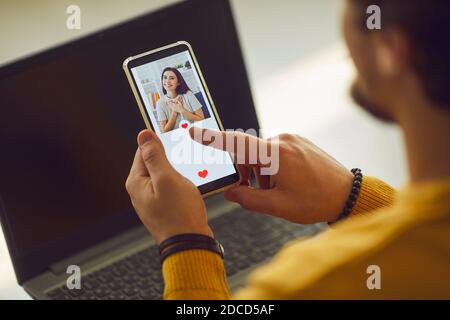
(184, 125)
(203, 173)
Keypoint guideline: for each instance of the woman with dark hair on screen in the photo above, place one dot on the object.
(178, 102)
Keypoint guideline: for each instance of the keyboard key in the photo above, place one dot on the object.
(145, 284)
(143, 272)
(54, 292)
(156, 276)
(131, 291)
(118, 271)
(105, 278)
(62, 296)
(130, 278)
(149, 294)
(89, 284)
(76, 292)
(131, 265)
(88, 296)
(115, 296)
(231, 270)
(102, 291)
(116, 285)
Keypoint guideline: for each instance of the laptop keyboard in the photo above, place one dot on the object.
(248, 239)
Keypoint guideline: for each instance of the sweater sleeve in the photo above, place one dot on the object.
(195, 274)
(374, 194)
(200, 274)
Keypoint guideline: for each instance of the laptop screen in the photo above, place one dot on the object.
(68, 125)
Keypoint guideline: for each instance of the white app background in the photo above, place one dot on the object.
(201, 164)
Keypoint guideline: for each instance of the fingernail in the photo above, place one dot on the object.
(195, 133)
(144, 137)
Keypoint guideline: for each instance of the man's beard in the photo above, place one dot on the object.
(365, 103)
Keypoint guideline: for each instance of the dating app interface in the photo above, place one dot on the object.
(175, 100)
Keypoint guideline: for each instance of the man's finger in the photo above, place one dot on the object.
(138, 168)
(244, 148)
(253, 199)
(245, 173)
(263, 180)
(153, 155)
(138, 175)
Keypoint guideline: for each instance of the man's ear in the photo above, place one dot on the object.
(392, 52)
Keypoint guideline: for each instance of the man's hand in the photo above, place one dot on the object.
(176, 105)
(167, 203)
(310, 186)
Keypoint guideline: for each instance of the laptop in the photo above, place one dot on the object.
(68, 125)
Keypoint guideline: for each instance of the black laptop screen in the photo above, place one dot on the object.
(68, 125)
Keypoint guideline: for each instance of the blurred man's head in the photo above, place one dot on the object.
(410, 54)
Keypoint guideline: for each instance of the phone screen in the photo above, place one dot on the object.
(175, 99)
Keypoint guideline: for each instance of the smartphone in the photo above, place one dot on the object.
(172, 96)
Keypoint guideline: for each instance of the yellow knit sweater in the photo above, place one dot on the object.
(406, 235)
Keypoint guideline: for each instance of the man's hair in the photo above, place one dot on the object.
(427, 24)
(182, 87)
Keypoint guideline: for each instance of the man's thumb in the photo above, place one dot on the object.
(153, 153)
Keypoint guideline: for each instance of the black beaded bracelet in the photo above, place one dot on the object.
(351, 200)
